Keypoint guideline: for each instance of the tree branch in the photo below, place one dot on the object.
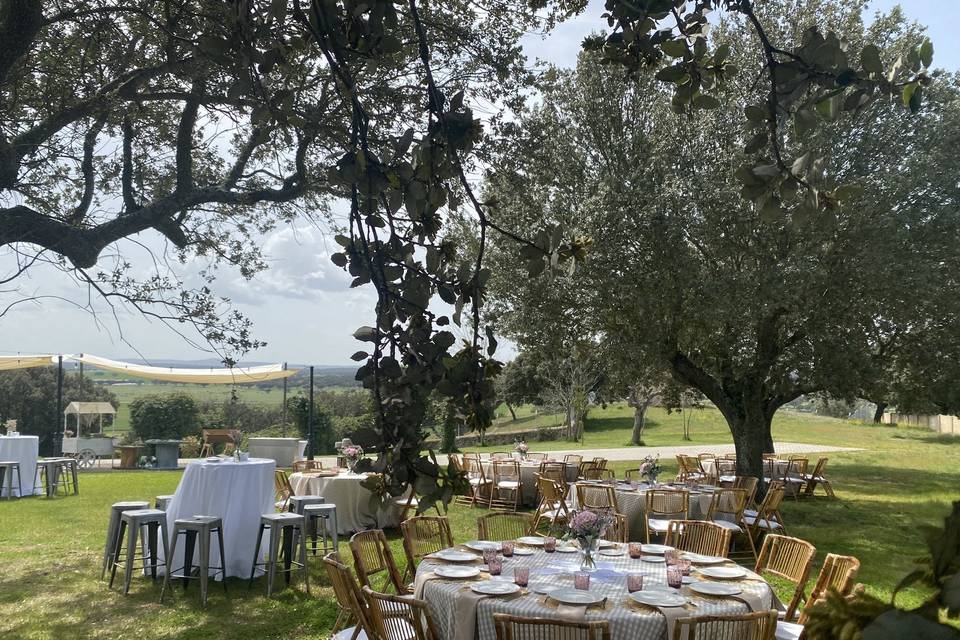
(184, 152)
(86, 168)
(126, 172)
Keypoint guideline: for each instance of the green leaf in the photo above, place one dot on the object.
(704, 101)
(674, 48)
(870, 59)
(672, 73)
(721, 54)
(829, 109)
(359, 355)
(908, 92)
(926, 52)
(766, 170)
(365, 334)
(756, 113)
(756, 143)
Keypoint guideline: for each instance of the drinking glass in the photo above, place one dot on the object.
(521, 576)
(684, 565)
(581, 580)
(671, 556)
(495, 564)
(549, 544)
(507, 548)
(635, 549)
(634, 582)
(674, 577)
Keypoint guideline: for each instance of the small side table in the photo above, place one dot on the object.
(167, 453)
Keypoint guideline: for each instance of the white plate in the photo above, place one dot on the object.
(456, 571)
(605, 544)
(522, 551)
(567, 548)
(653, 559)
(687, 580)
(482, 545)
(657, 549)
(715, 588)
(533, 541)
(451, 555)
(697, 558)
(214, 459)
(724, 573)
(543, 587)
(494, 587)
(611, 552)
(658, 598)
(576, 596)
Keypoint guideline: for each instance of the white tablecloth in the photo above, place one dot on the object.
(22, 449)
(633, 505)
(237, 492)
(356, 509)
(556, 570)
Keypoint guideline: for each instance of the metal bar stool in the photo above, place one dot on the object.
(114, 527)
(162, 502)
(68, 470)
(191, 528)
(326, 515)
(156, 522)
(6, 478)
(47, 477)
(290, 527)
(295, 504)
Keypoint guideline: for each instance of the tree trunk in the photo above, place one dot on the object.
(639, 421)
(750, 427)
(878, 414)
(513, 414)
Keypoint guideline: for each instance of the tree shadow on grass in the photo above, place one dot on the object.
(612, 423)
(929, 438)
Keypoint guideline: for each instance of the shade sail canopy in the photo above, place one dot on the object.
(235, 375)
(8, 363)
(87, 408)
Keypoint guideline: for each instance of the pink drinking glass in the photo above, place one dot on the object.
(635, 549)
(521, 576)
(684, 565)
(549, 544)
(495, 565)
(671, 556)
(507, 548)
(634, 582)
(674, 577)
(581, 580)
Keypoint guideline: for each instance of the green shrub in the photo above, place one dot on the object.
(169, 417)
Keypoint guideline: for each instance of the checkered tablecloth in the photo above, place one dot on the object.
(556, 569)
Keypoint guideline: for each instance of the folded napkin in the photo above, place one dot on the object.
(423, 577)
(672, 614)
(465, 605)
(753, 601)
(574, 613)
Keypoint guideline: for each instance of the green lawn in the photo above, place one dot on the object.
(50, 550)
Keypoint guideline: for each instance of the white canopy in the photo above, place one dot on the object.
(235, 375)
(8, 363)
(86, 408)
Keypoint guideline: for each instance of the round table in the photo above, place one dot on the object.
(357, 508)
(22, 449)
(460, 615)
(237, 492)
(632, 503)
(528, 481)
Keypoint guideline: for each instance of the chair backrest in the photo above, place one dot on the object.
(455, 460)
(396, 617)
(618, 530)
(796, 468)
(423, 535)
(504, 526)
(556, 471)
(600, 462)
(770, 507)
(707, 456)
(511, 627)
(726, 467)
(537, 457)
(584, 466)
(790, 559)
(728, 504)
(506, 471)
(218, 436)
(672, 504)
(471, 456)
(596, 473)
(837, 573)
(698, 536)
(597, 497)
(281, 487)
(347, 591)
(821, 467)
(729, 456)
(501, 455)
(761, 625)
(372, 556)
(748, 484)
(573, 458)
(306, 465)
(551, 491)
(474, 468)
(632, 475)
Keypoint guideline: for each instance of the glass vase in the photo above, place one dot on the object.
(588, 553)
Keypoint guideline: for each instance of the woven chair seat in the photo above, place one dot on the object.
(347, 634)
(508, 484)
(788, 630)
(763, 524)
(726, 524)
(656, 524)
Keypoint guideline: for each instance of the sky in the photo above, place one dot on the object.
(301, 305)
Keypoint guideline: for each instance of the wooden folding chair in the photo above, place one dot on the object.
(282, 489)
(353, 608)
(698, 536)
(537, 457)
(480, 485)
(767, 517)
(399, 617)
(423, 535)
(372, 556)
(789, 559)
(299, 466)
(795, 476)
(509, 627)
(556, 471)
(596, 473)
(553, 505)
(596, 497)
(573, 459)
(664, 505)
(618, 530)
(748, 484)
(760, 625)
(504, 526)
(818, 478)
(726, 510)
(837, 574)
(507, 485)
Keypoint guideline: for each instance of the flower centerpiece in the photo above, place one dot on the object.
(352, 453)
(650, 469)
(521, 447)
(587, 527)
